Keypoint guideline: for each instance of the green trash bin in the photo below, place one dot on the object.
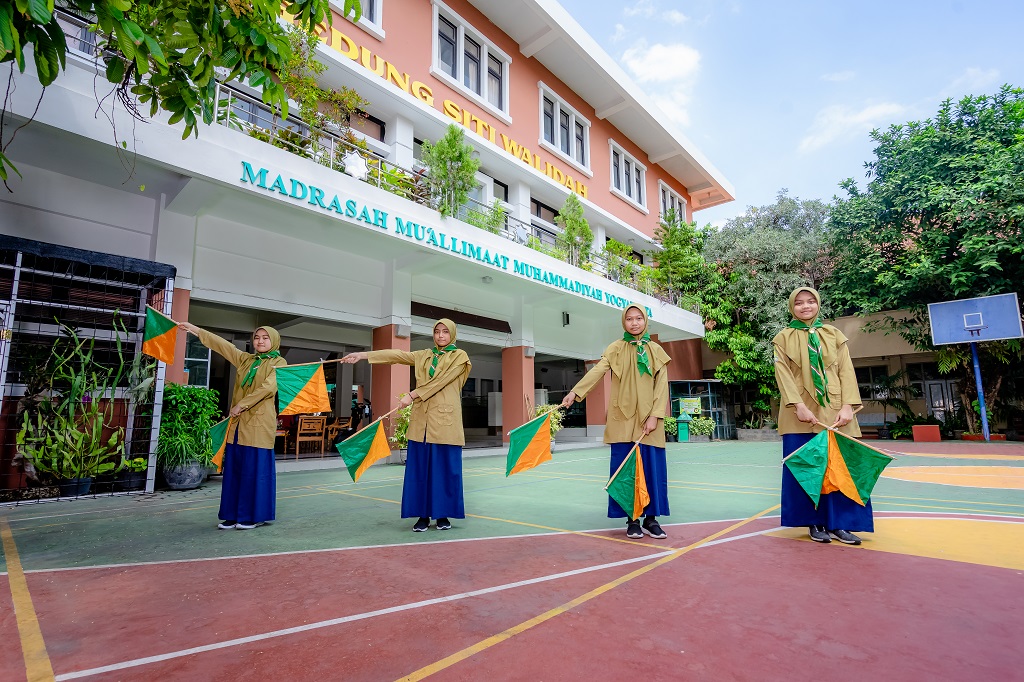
(683, 423)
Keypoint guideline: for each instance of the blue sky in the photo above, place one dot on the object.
(783, 94)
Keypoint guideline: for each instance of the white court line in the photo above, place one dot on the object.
(348, 619)
(135, 564)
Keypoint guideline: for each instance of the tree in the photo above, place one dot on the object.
(759, 258)
(451, 169)
(164, 53)
(679, 262)
(942, 218)
(576, 238)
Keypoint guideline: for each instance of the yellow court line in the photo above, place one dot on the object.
(33, 648)
(990, 512)
(521, 523)
(558, 610)
(578, 478)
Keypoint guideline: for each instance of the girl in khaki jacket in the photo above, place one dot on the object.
(638, 402)
(817, 383)
(433, 469)
(248, 497)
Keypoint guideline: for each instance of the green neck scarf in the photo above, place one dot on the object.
(814, 355)
(437, 356)
(642, 359)
(260, 357)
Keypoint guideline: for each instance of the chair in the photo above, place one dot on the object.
(310, 430)
(336, 427)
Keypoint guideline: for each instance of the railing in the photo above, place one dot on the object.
(247, 114)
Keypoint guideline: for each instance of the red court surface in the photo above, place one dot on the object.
(753, 606)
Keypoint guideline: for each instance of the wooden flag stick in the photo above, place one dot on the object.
(636, 445)
(383, 416)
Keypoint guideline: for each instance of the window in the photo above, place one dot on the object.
(564, 130)
(543, 211)
(467, 61)
(670, 201)
(543, 223)
(501, 191)
(197, 362)
(628, 177)
(368, 125)
(866, 378)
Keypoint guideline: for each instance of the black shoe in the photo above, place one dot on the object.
(421, 525)
(819, 534)
(845, 537)
(633, 530)
(653, 528)
(443, 523)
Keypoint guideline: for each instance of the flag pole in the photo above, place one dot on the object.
(635, 445)
(532, 419)
(383, 416)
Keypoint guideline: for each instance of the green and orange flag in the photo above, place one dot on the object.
(219, 441)
(160, 336)
(363, 448)
(628, 485)
(834, 462)
(302, 389)
(529, 445)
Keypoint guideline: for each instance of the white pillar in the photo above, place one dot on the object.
(398, 135)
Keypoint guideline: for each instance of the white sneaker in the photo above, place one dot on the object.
(244, 526)
(226, 525)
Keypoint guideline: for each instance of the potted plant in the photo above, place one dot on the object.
(67, 420)
(131, 475)
(555, 424)
(671, 429)
(757, 425)
(400, 438)
(701, 429)
(183, 447)
(892, 392)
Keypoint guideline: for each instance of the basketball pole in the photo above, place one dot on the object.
(981, 393)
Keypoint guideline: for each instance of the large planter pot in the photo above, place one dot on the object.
(699, 439)
(130, 480)
(758, 435)
(978, 436)
(74, 487)
(884, 433)
(184, 477)
(671, 438)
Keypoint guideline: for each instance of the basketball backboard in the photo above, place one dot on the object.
(987, 318)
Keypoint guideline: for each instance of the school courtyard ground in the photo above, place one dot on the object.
(535, 584)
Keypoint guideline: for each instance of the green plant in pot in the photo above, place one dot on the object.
(67, 425)
(555, 423)
(702, 426)
(671, 429)
(893, 393)
(183, 448)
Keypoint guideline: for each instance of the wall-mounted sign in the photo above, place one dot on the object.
(689, 405)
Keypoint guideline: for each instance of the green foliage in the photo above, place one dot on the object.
(451, 169)
(188, 414)
(680, 264)
(894, 393)
(904, 426)
(753, 263)
(619, 262)
(164, 53)
(493, 220)
(671, 426)
(135, 464)
(555, 423)
(702, 426)
(576, 238)
(400, 438)
(63, 425)
(942, 218)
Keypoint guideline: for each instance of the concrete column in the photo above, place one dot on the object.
(388, 381)
(179, 311)
(343, 392)
(519, 198)
(516, 388)
(398, 135)
(596, 403)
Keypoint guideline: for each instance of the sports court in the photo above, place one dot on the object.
(536, 584)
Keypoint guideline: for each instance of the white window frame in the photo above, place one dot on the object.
(625, 157)
(376, 27)
(488, 49)
(663, 206)
(574, 117)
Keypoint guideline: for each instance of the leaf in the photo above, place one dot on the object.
(133, 31)
(41, 10)
(115, 70)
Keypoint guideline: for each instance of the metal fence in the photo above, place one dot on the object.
(79, 403)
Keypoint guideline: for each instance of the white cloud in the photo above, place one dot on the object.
(839, 76)
(642, 8)
(620, 33)
(674, 16)
(840, 122)
(971, 82)
(660, 63)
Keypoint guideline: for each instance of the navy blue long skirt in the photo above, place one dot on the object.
(656, 473)
(249, 492)
(835, 510)
(433, 482)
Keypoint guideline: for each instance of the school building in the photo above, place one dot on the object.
(259, 233)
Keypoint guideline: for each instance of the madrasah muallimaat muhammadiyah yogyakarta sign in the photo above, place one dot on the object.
(297, 190)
